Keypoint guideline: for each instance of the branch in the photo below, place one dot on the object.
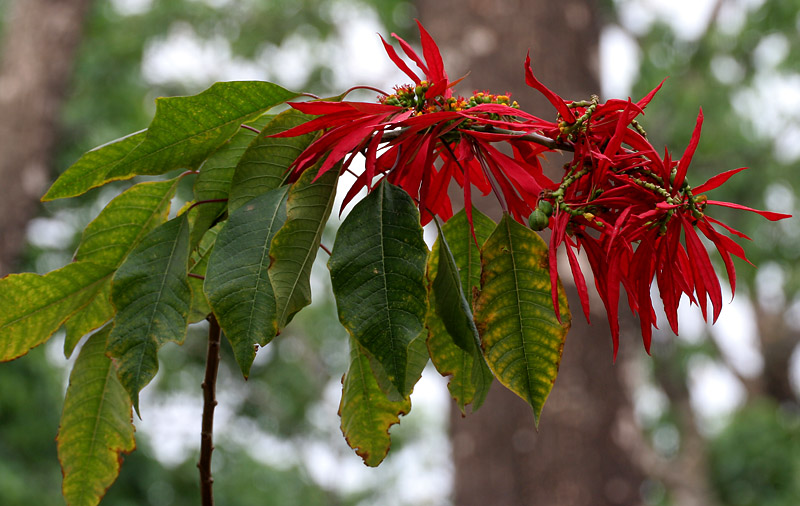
(532, 137)
(209, 403)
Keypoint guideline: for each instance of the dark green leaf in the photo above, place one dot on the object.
(237, 283)
(216, 173)
(152, 297)
(295, 246)
(95, 425)
(35, 306)
(91, 169)
(378, 276)
(450, 303)
(522, 339)
(470, 376)
(417, 360)
(264, 166)
(365, 410)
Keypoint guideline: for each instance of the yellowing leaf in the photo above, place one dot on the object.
(34, 306)
(365, 410)
(521, 337)
(95, 425)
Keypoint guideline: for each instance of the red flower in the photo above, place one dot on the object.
(421, 137)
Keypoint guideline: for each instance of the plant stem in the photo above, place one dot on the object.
(209, 403)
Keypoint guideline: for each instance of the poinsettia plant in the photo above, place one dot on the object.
(484, 302)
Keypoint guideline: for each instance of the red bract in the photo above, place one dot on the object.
(422, 137)
(630, 209)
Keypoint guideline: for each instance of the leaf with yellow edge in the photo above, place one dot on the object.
(365, 410)
(521, 336)
(34, 306)
(95, 425)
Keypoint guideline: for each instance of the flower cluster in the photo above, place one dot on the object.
(620, 201)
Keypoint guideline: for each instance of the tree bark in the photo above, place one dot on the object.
(40, 40)
(575, 458)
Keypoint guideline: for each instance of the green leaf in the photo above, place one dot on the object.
(125, 221)
(237, 283)
(198, 264)
(522, 339)
(35, 306)
(95, 425)
(152, 297)
(295, 246)
(185, 130)
(264, 166)
(365, 410)
(378, 276)
(216, 173)
(97, 312)
(470, 377)
(90, 170)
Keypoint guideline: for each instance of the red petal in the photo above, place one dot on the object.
(432, 56)
(554, 99)
(399, 61)
(766, 214)
(716, 181)
(686, 159)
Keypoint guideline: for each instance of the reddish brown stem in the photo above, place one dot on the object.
(256, 130)
(209, 403)
(193, 275)
(323, 248)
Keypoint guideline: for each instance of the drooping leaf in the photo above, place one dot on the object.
(470, 377)
(95, 425)
(35, 306)
(264, 166)
(450, 302)
(90, 170)
(198, 263)
(295, 246)
(522, 338)
(152, 297)
(216, 173)
(365, 410)
(109, 238)
(378, 276)
(97, 312)
(237, 283)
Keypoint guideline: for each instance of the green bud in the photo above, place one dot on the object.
(538, 220)
(546, 207)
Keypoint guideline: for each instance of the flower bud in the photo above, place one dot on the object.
(546, 207)
(538, 220)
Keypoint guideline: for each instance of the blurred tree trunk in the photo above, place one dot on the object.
(499, 457)
(39, 43)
